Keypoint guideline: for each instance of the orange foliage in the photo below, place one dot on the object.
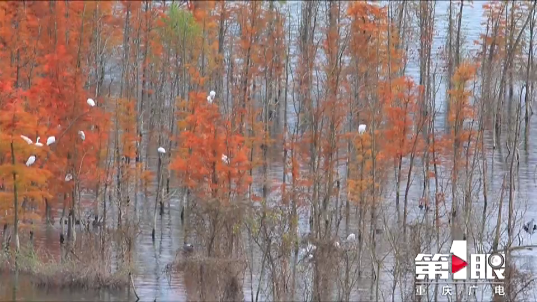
(44, 96)
(199, 159)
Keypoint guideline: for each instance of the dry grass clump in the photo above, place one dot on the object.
(211, 279)
(73, 274)
(87, 269)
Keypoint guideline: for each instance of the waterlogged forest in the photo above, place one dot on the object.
(263, 150)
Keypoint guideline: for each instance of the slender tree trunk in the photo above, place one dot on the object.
(15, 204)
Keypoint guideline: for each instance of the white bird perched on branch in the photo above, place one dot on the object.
(51, 140)
(361, 129)
(351, 237)
(37, 143)
(211, 97)
(27, 139)
(30, 161)
(161, 150)
(225, 159)
(82, 135)
(68, 177)
(91, 102)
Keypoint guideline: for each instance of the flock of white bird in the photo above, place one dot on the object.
(51, 140)
(225, 159)
(210, 100)
(309, 251)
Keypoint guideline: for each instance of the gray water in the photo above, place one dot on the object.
(151, 258)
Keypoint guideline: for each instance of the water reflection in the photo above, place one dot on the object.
(151, 258)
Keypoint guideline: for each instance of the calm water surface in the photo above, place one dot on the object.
(151, 258)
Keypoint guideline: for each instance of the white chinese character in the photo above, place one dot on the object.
(431, 266)
(478, 264)
(499, 290)
(420, 291)
(471, 290)
(446, 290)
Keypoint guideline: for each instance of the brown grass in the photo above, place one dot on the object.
(211, 279)
(85, 270)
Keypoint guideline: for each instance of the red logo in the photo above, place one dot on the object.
(457, 264)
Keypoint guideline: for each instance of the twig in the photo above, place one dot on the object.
(73, 252)
(522, 247)
(134, 287)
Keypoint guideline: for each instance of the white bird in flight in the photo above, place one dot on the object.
(68, 177)
(27, 139)
(225, 159)
(361, 129)
(82, 135)
(91, 102)
(161, 150)
(37, 143)
(30, 161)
(51, 140)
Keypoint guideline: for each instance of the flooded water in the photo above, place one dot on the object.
(152, 283)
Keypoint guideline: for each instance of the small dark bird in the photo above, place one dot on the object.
(96, 222)
(530, 227)
(62, 239)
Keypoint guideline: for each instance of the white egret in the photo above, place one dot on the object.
(68, 177)
(91, 102)
(51, 140)
(211, 97)
(361, 129)
(161, 150)
(27, 139)
(37, 143)
(82, 135)
(351, 237)
(225, 159)
(30, 161)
